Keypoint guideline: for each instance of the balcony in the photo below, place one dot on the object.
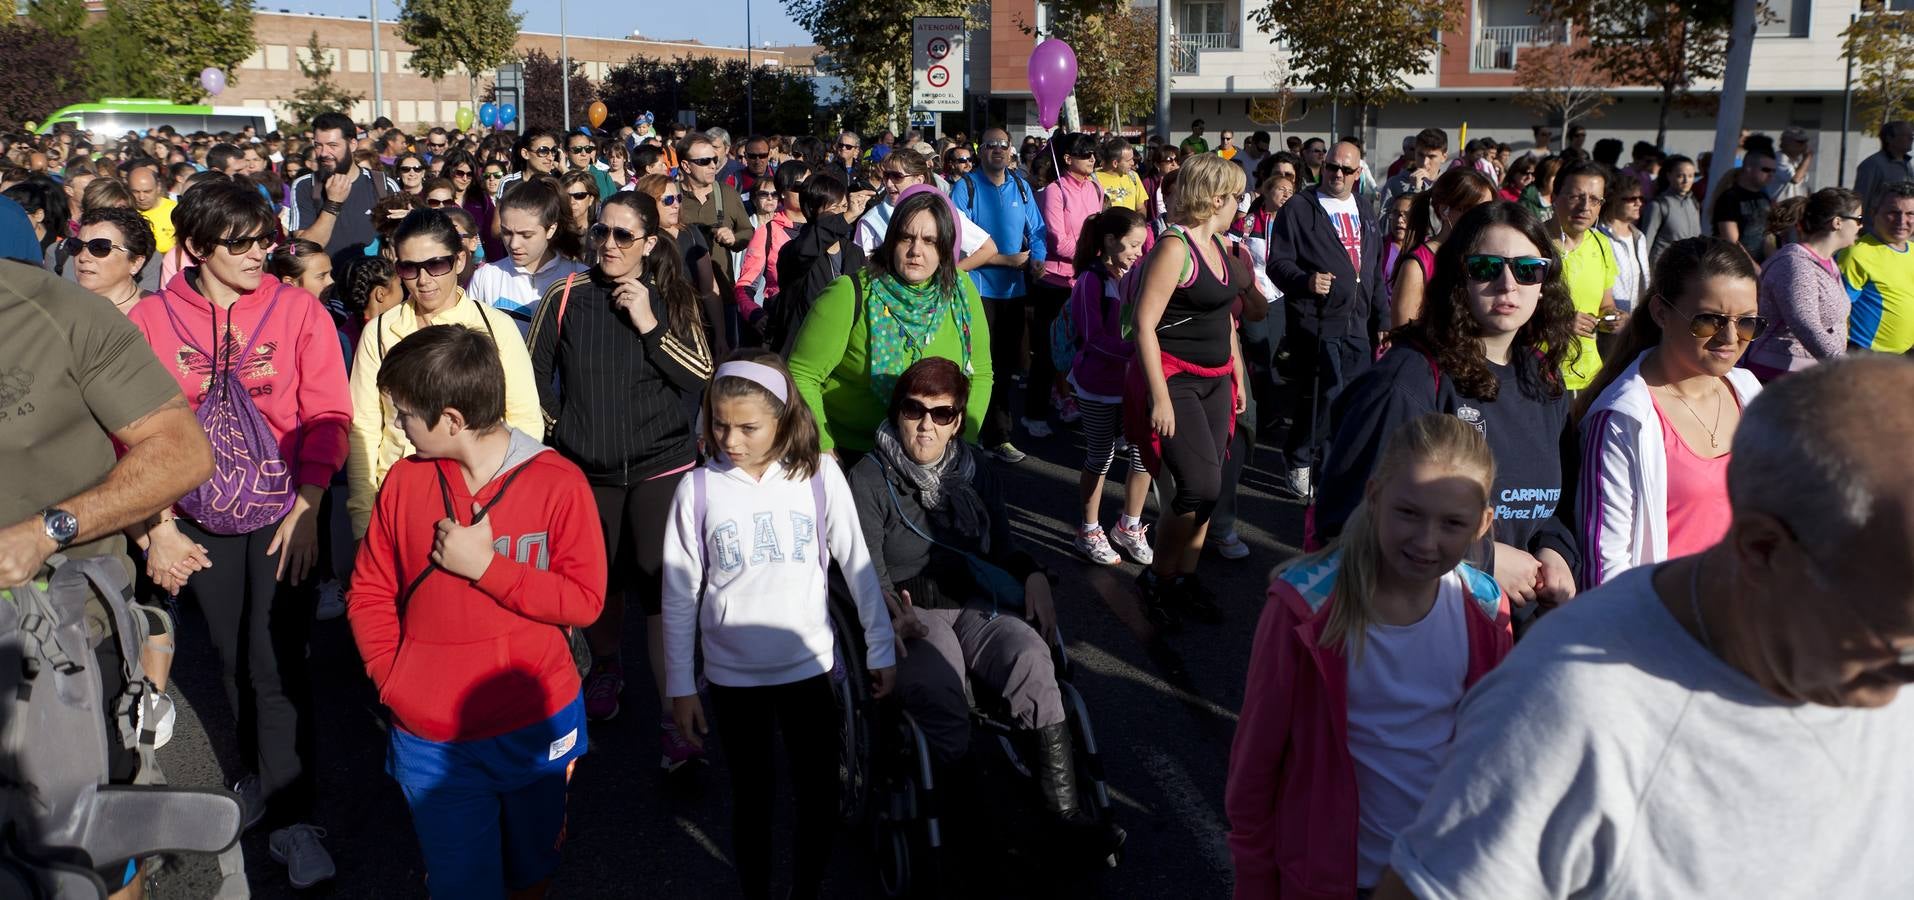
(1186, 49)
(1496, 46)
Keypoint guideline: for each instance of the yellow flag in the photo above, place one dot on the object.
(1462, 140)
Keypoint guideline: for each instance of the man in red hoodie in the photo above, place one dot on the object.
(483, 551)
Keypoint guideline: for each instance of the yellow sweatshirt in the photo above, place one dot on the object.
(376, 442)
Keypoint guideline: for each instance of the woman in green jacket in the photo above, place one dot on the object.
(869, 326)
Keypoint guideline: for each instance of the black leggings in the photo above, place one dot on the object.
(1194, 454)
(806, 712)
(260, 626)
(633, 517)
(1007, 330)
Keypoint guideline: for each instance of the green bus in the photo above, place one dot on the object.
(113, 117)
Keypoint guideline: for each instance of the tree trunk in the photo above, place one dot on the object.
(1661, 123)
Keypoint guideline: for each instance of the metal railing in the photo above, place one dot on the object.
(1186, 49)
(1221, 40)
(1495, 45)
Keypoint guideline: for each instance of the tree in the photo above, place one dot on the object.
(115, 57)
(1113, 42)
(1362, 55)
(41, 74)
(868, 44)
(543, 104)
(1561, 83)
(1282, 105)
(1670, 44)
(172, 40)
(782, 102)
(63, 18)
(1880, 43)
(459, 35)
(321, 95)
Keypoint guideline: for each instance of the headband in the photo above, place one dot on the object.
(757, 373)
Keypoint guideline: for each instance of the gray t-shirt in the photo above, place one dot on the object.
(1612, 756)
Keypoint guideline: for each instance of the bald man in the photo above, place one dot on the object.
(1729, 724)
(154, 205)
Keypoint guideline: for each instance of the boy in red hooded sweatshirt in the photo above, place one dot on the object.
(484, 550)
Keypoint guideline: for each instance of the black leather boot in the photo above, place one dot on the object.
(1078, 829)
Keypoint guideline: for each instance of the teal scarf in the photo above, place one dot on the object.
(904, 319)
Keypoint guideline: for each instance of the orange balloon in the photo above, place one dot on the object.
(597, 113)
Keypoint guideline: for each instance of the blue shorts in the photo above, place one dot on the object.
(490, 814)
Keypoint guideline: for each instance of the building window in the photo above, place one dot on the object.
(255, 61)
(1790, 19)
(278, 56)
(408, 112)
(358, 61)
(404, 59)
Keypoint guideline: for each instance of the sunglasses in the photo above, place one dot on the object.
(438, 146)
(996, 145)
(960, 160)
(764, 196)
(437, 267)
(848, 147)
(438, 204)
(703, 161)
(914, 411)
(494, 176)
(410, 169)
(895, 176)
(463, 173)
(240, 245)
(600, 233)
(1483, 268)
(757, 156)
(582, 148)
(547, 150)
(99, 247)
(578, 195)
(1706, 325)
(668, 200)
(1329, 167)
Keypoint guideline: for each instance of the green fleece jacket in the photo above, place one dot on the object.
(831, 363)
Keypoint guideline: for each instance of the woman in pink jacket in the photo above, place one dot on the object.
(1361, 659)
(761, 255)
(1067, 203)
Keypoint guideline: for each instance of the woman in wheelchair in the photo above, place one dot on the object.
(964, 600)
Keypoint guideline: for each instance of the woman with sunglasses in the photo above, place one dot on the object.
(474, 184)
(1487, 347)
(428, 258)
(694, 247)
(1802, 293)
(900, 172)
(540, 248)
(225, 317)
(410, 167)
(580, 189)
(620, 355)
(113, 246)
(1657, 433)
(776, 217)
(1621, 222)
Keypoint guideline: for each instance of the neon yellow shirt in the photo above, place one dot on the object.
(1880, 283)
(1122, 190)
(161, 218)
(1589, 271)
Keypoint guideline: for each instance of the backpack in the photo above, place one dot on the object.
(251, 486)
(59, 816)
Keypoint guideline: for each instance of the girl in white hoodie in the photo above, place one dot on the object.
(747, 548)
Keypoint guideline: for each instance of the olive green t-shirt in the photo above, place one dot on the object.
(73, 370)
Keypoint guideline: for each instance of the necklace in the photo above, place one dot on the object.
(1713, 441)
(1694, 606)
(124, 302)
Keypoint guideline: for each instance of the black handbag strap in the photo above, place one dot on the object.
(445, 494)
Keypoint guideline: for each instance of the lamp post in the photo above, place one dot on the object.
(749, 128)
(378, 83)
(564, 68)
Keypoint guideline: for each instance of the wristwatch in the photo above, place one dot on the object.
(60, 525)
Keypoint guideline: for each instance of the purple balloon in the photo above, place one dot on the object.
(1053, 75)
(213, 80)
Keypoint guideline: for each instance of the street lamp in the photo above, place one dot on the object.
(564, 68)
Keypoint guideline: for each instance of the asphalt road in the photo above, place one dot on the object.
(1163, 706)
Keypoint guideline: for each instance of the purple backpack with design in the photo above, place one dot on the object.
(251, 486)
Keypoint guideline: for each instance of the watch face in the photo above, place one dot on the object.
(61, 525)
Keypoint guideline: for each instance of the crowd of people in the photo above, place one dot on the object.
(478, 392)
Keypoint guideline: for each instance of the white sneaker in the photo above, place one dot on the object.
(1093, 543)
(306, 860)
(1008, 452)
(164, 718)
(1135, 543)
(1299, 481)
(332, 600)
(1231, 546)
(1037, 428)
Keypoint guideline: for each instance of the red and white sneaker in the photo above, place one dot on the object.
(602, 687)
(677, 750)
(1133, 542)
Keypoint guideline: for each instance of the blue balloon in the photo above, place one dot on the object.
(488, 115)
(507, 114)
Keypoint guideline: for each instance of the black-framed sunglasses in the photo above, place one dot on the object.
(996, 145)
(101, 248)
(1484, 268)
(440, 204)
(437, 267)
(749, 155)
(578, 195)
(843, 146)
(461, 173)
(668, 200)
(238, 246)
(582, 148)
(494, 176)
(702, 160)
(1705, 325)
(411, 169)
(961, 160)
(942, 415)
(600, 233)
(1329, 167)
(547, 150)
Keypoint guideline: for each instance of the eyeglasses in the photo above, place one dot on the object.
(578, 195)
(1483, 268)
(623, 237)
(441, 145)
(436, 202)
(411, 169)
(764, 196)
(582, 148)
(1858, 220)
(1329, 167)
(547, 150)
(99, 247)
(961, 160)
(757, 156)
(1706, 325)
(668, 200)
(703, 161)
(895, 176)
(437, 267)
(240, 245)
(1632, 200)
(494, 176)
(914, 411)
(463, 173)
(843, 146)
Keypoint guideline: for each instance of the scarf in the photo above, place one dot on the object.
(946, 487)
(903, 320)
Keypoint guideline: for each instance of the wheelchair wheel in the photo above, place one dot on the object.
(894, 859)
(853, 727)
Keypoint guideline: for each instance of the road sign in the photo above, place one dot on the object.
(937, 63)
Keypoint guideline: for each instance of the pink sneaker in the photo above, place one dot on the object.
(602, 687)
(677, 750)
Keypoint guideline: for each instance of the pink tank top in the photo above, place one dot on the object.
(1698, 512)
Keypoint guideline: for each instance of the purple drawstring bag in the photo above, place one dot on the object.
(251, 486)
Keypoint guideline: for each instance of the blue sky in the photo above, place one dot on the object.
(710, 22)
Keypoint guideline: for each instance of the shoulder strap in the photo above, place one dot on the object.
(1189, 262)
(564, 300)
(698, 507)
(445, 496)
(483, 318)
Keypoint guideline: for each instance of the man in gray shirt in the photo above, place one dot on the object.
(1893, 163)
(1728, 724)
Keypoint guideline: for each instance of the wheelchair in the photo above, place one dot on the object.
(886, 783)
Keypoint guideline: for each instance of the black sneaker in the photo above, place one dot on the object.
(1156, 600)
(1190, 593)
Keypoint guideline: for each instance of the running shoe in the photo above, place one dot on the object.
(1230, 546)
(1069, 411)
(1299, 481)
(1189, 593)
(1008, 452)
(1092, 543)
(332, 600)
(1155, 595)
(1037, 428)
(677, 750)
(305, 858)
(602, 687)
(1133, 542)
(164, 717)
(252, 801)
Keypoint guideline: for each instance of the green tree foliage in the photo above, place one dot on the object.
(451, 36)
(1115, 44)
(178, 38)
(1670, 44)
(1881, 42)
(320, 95)
(1363, 53)
(782, 102)
(115, 58)
(41, 73)
(869, 46)
(64, 18)
(544, 103)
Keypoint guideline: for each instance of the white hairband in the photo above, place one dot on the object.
(757, 373)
